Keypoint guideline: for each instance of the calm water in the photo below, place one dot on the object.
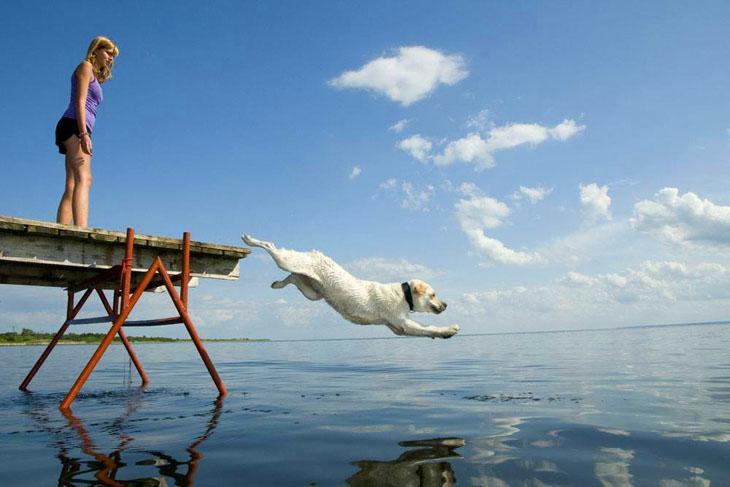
(640, 406)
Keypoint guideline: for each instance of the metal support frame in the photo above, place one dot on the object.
(118, 311)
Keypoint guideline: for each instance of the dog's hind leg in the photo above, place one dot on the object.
(287, 260)
(253, 242)
(303, 283)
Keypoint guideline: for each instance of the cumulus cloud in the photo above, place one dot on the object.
(595, 201)
(533, 195)
(409, 75)
(399, 125)
(655, 290)
(417, 146)
(656, 280)
(355, 172)
(416, 199)
(478, 213)
(470, 149)
(477, 150)
(565, 130)
(383, 269)
(683, 219)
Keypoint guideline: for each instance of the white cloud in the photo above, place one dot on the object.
(475, 149)
(509, 136)
(469, 189)
(399, 125)
(655, 292)
(417, 146)
(479, 213)
(683, 218)
(301, 314)
(566, 129)
(383, 269)
(479, 122)
(355, 172)
(470, 149)
(388, 184)
(657, 281)
(408, 76)
(595, 241)
(532, 194)
(595, 200)
(415, 199)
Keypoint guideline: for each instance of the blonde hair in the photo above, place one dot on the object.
(100, 42)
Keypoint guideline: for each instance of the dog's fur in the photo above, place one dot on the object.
(362, 302)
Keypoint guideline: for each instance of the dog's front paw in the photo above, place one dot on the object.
(248, 239)
(450, 331)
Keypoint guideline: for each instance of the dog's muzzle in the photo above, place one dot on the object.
(439, 309)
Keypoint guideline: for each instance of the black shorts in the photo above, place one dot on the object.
(65, 128)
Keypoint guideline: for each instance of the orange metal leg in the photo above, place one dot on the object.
(71, 313)
(185, 270)
(123, 338)
(191, 329)
(120, 310)
(73, 392)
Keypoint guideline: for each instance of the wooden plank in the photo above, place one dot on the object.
(36, 226)
(9, 225)
(49, 254)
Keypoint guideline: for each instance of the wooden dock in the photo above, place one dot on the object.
(40, 253)
(90, 260)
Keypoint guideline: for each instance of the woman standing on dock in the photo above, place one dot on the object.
(73, 131)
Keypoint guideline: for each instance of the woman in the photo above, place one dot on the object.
(73, 132)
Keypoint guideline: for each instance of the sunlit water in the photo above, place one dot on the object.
(642, 406)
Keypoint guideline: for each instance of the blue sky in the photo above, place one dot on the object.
(544, 165)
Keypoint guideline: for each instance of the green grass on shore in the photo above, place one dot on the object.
(30, 337)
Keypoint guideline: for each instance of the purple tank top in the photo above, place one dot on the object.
(93, 99)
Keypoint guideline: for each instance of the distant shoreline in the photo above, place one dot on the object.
(145, 342)
(29, 337)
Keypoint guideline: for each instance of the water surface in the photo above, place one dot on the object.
(618, 407)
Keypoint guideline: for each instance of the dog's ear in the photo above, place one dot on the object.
(419, 288)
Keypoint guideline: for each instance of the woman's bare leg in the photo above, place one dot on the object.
(65, 212)
(80, 163)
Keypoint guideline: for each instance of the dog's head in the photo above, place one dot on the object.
(424, 298)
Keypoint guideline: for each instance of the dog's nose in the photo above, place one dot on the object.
(445, 305)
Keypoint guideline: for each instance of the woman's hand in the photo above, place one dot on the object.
(86, 143)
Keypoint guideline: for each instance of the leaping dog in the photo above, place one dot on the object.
(359, 301)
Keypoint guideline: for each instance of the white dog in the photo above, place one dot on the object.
(362, 302)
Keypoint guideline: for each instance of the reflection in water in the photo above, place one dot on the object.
(424, 465)
(105, 469)
(531, 451)
(495, 449)
(612, 467)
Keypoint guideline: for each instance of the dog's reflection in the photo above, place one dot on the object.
(100, 468)
(424, 465)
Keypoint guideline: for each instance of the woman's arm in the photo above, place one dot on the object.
(84, 75)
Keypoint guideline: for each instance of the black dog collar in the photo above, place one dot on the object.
(407, 291)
